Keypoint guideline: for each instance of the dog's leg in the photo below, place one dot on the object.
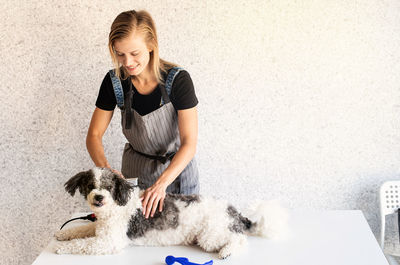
(83, 231)
(236, 244)
(89, 246)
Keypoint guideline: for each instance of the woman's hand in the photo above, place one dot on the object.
(151, 197)
(117, 172)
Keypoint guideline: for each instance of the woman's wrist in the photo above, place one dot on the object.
(102, 165)
(163, 182)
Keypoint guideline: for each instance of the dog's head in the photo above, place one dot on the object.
(101, 188)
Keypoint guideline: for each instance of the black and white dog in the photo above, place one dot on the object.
(212, 224)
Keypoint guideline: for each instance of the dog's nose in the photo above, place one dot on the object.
(99, 198)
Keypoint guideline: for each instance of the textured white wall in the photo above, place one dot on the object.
(299, 100)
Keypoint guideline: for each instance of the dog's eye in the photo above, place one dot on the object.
(91, 186)
(109, 187)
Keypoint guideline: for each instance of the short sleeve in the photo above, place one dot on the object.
(183, 95)
(106, 98)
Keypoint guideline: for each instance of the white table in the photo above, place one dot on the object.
(317, 237)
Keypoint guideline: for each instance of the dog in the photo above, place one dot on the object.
(214, 225)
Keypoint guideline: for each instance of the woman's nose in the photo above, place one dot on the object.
(128, 61)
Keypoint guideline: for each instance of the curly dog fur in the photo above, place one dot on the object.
(214, 225)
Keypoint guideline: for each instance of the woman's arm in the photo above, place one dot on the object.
(188, 129)
(98, 125)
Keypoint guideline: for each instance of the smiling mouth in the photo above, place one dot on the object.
(132, 68)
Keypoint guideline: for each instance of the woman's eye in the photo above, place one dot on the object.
(133, 54)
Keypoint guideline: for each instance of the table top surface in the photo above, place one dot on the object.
(315, 237)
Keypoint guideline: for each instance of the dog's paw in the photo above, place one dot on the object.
(60, 251)
(224, 253)
(60, 248)
(62, 236)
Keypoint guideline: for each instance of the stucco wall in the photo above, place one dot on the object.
(298, 100)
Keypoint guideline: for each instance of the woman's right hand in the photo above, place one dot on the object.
(117, 172)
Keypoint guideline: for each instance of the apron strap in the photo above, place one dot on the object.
(166, 90)
(398, 222)
(128, 109)
(119, 96)
(118, 91)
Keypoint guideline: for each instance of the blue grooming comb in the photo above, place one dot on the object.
(184, 261)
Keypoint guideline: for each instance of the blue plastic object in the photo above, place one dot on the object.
(184, 261)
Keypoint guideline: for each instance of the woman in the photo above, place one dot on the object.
(161, 125)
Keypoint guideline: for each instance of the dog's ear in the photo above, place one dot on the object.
(122, 190)
(76, 182)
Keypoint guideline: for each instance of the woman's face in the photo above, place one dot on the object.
(132, 53)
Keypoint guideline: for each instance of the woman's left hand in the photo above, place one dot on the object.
(151, 197)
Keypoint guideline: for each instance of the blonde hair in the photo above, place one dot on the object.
(141, 22)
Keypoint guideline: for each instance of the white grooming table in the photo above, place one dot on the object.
(316, 237)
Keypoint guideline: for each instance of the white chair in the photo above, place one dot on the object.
(389, 197)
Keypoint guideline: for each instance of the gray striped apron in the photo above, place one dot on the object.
(153, 139)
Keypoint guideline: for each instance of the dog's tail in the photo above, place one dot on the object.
(268, 219)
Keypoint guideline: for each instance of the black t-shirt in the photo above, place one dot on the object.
(182, 95)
